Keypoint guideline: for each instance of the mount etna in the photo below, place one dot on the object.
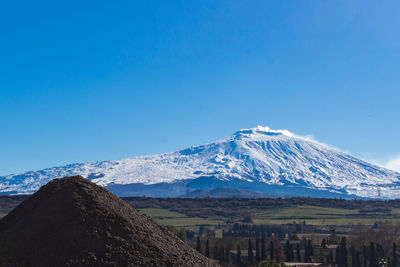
(260, 160)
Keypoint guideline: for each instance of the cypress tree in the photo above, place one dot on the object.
(207, 253)
(330, 257)
(216, 252)
(306, 252)
(298, 252)
(238, 255)
(198, 246)
(258, 250)
(343, 252)
(263, 250)
(338, 256)
(372, 255)
(291, 252)
(250, 252)
(182, 234)
(287, 251)
(227, 255)
(323, 243)
(271, 250)
(365, 256)
(353, 256)
(395, 260)
(222, 254)
(380, 254)
(358, 260)
(310, 249)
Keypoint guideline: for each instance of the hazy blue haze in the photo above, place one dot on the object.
(85, 81)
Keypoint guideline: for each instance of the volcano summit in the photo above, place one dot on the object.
(260, 159)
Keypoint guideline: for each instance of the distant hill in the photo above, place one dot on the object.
(260, 159)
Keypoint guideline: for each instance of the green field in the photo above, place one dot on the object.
(167, 217)
(312, 215)
(316, 215)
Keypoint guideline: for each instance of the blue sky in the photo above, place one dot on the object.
(89, 81)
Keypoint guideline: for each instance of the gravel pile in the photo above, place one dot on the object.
(74, 222)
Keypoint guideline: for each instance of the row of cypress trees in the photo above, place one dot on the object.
(222, 254)
(371, 256)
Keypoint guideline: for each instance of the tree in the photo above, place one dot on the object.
(202, 230)
(238, 255)
(395, 260)
(221, 253)
(287, 251)
(227, 255)
(387, 234)
(198, 246)
(337, 256)
(360, 235)
(258, 250)
(343, 253)
(306, 256)
(182, 234)
(298, 252)
(206, 231)
(291, 252)
(358, 260)
(330, 257)
(207, 253)
(380, 253)
(216, 251)
(333, 238)
(294, 237)
(271, 250)
(310, 249)
(365, 256)
(323, 243)
(372, 255)
(263, 250)
(250, 252)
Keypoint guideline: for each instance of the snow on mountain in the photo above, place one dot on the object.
(272, 157)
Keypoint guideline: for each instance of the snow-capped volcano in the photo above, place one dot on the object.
(260, 159)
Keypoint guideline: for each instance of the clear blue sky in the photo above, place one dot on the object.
(84, 81)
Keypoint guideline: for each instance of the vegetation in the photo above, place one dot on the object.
(318, 212)
(268, 232)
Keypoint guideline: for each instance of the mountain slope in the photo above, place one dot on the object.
(258, 155)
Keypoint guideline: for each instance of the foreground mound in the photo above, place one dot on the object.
(72, 221)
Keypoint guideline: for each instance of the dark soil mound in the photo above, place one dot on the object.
(74, 222)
